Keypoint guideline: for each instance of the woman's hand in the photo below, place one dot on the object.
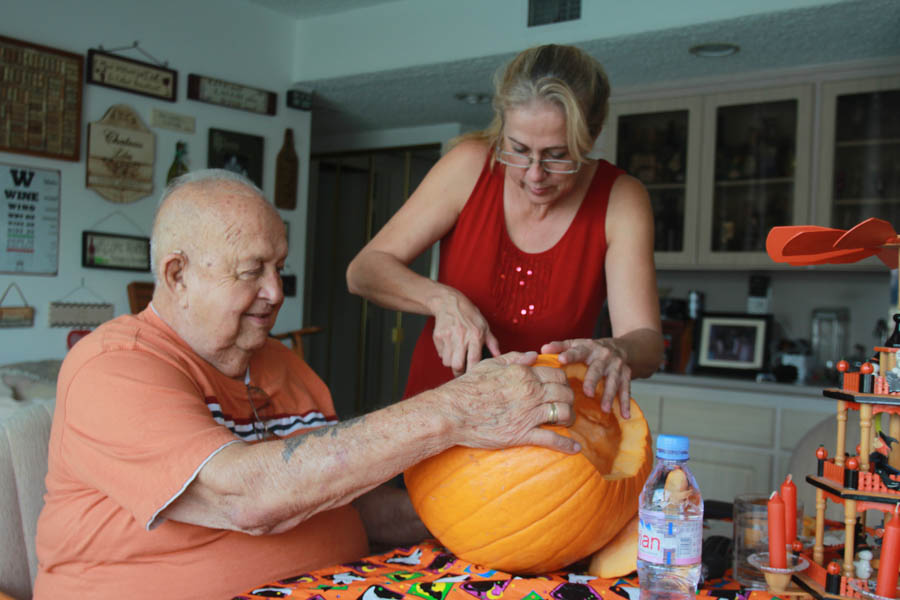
(604, 358)
(460, 332)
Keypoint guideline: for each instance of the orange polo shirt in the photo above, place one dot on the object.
(138, 414)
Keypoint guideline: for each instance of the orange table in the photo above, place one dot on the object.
(428, 571)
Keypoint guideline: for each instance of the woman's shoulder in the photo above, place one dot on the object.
(628, 200)
(457, 173)
(470, 152)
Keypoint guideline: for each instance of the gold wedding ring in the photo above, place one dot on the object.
(554, 414)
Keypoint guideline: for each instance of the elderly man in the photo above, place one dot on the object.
(192, 456)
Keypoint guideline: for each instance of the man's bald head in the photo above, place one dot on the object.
(198, 210)
(218, 250)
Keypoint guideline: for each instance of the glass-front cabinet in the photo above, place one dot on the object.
(721, 170)
(860, 167)
(756, 156)
(659, 143)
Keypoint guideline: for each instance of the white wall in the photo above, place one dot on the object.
(419, 32)
(227, 39)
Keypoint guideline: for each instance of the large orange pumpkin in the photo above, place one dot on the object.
(534, 510)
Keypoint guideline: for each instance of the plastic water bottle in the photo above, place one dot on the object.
(670, 533)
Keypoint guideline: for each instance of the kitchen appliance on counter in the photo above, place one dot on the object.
(829, 329)
(803, 363)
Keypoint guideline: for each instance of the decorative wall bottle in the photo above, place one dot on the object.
(179, 164)
(287, 167)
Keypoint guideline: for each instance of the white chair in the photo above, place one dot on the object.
(24, 435)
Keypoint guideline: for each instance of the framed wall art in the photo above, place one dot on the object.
(29, 220)
(734, 343)
(232, 95)
(101, 250)
(15, 316)
(121, 155)
(40, 100)
(238, 152)
(130, 75)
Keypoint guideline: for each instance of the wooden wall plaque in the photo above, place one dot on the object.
(121, 155)
(232, 95)
(131, 75)
(40, 100)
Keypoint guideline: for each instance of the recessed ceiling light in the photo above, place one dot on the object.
(472, 98)
(714, 50)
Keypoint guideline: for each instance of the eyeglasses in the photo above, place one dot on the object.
(262, 398)
(550, 165)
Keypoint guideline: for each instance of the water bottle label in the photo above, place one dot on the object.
(669, 541)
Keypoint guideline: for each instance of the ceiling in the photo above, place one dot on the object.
(424, 95)
(304, 9)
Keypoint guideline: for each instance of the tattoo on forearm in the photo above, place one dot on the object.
(291, 444)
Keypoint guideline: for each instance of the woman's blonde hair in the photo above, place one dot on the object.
(564, 75)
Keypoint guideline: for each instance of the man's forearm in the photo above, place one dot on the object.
(264, 488)
(272, 486)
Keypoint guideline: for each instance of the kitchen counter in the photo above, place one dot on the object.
(736, 384)
(742, 433)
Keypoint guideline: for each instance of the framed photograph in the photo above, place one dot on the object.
(238, 152)
(40, 100)
(114, 251)
(734, 343)
(131, 75)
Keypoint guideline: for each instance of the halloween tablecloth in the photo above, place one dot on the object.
(428, 571)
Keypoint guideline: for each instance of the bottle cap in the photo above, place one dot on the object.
(672, 447)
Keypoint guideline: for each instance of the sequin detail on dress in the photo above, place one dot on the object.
(521, 282)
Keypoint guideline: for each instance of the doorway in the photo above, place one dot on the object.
(363, 354)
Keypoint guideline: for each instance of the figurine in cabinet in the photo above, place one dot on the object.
(771, 156)
(643, 163)
(672, 153)
(727, 240)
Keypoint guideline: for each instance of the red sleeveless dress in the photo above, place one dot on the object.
(527, 299)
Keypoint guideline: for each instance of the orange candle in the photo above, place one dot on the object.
(890, 557)
(777, 546)
(789, 496)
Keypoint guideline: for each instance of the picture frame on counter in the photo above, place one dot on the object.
(101, 250)
(129, 75)
(734, 343)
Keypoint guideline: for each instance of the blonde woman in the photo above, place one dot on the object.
(535, 236)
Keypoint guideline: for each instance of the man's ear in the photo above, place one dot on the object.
(172, 273)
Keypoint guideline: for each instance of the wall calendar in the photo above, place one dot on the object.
(40, 100)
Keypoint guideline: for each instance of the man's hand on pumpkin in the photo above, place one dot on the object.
(605, 358)
(503, 402)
